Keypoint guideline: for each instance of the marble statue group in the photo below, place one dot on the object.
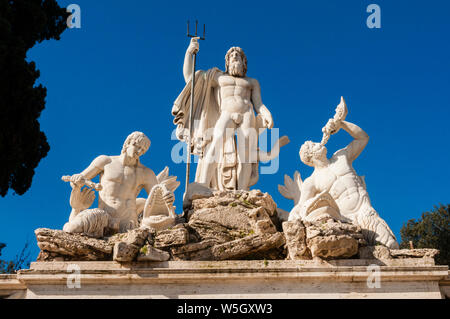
(228, 115)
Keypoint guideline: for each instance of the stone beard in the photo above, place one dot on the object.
(228, 116)
(233, 66)
(236, 69)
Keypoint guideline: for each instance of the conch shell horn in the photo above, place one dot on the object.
(339, 116)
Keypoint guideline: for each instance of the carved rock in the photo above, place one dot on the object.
(330, 226)
(195, 191)
(295, 234)
(124, 252)
(171, 237)
(232, 225)
(333, 239)
(66, 246)
(260, 199)
(374, 252)
(327, 247)
(194, 251)
(127, 245)
(251, 247)
(231, 215)
(248, 199)
(149, 253)
(224, 225)
(137, 237)
(414, 253)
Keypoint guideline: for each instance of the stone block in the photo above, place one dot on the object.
(295, 234)
(149, 253)
(171, 237)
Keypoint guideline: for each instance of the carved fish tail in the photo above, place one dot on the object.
(91, 222)
(375, 229)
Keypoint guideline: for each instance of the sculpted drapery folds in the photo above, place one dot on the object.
(225, 129)
(206, 113)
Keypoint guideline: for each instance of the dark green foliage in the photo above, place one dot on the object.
(21, 261)
(23, 23)
(430, 231)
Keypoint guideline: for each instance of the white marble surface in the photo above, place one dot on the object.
(224, 107)
(122, 177)
(334, 188)
(402, 278)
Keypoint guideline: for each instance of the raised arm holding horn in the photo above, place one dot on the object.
(334, 188)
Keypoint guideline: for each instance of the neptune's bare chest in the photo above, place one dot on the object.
(234, 86)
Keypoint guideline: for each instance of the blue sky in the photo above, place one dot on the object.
(122, 71)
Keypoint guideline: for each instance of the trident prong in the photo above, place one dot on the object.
(196, 35)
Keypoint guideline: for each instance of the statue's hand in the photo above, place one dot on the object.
(169, 197)
(332, 127)
(77, 180)
(193, 46)
(267, 118)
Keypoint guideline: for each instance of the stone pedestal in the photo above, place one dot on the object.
(398, 278)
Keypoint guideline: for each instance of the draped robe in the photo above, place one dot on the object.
(206, 112)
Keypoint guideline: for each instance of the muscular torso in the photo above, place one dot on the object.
(235, 93)
(121, 185)
(343, 184)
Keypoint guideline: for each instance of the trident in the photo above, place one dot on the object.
(191, 113)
